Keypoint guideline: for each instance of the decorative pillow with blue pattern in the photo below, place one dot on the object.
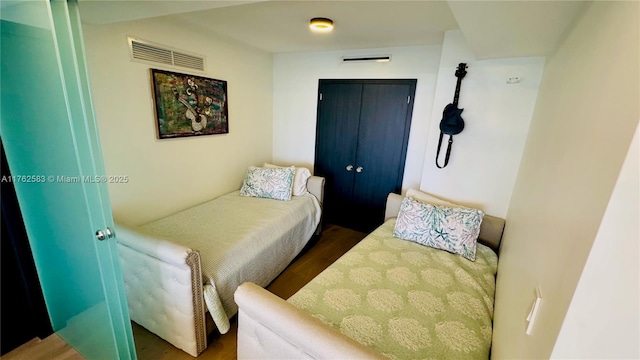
(275, 183)
(454, 230)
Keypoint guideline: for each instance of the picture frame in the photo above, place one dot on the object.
(189, 105)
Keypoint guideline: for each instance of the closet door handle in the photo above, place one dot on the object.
(359, 169)
(349, 167)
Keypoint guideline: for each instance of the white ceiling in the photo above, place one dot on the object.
(282, 26)
(494, 29)
(112, 11)
(502, 29)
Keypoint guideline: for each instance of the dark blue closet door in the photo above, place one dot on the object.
(336, 136)
(381, 149)
(361, 141)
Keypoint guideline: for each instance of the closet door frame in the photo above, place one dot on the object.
(407, 117)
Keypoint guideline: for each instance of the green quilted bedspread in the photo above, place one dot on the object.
(405, 300)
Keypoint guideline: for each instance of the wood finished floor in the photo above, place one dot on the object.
(51, 348)
(321, 253)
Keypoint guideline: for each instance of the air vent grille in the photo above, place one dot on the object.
(376, 58)
(188, 61)
(151, 53)
(147, 51)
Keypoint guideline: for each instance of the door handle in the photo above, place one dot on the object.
(104, 234)
(359, 169)
(349, 167)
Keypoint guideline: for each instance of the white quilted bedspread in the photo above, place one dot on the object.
(240, 239)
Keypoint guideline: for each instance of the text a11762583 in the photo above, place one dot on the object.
(66, 179)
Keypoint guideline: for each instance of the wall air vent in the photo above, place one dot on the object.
(149, 52)
(368, 58)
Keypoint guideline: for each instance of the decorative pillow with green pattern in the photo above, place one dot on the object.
(270, 183)
(454, 230)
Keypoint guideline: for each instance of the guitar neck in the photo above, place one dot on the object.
(186, 103)
(457, 93)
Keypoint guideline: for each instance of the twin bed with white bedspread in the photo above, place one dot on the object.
(180, 267)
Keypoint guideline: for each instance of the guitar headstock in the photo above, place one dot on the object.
(461, 71)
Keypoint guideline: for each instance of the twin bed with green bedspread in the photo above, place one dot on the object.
(384, 298)
(405, 300)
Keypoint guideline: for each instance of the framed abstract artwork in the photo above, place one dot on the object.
(189, 105)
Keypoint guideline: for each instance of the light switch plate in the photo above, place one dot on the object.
(534, 311)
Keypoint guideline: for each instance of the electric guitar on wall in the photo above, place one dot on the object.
(452, 122)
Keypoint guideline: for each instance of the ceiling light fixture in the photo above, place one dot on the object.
(321, 24)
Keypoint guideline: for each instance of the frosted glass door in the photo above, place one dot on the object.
(49, 133)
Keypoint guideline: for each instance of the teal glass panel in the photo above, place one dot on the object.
(116, 297)
(48, 129)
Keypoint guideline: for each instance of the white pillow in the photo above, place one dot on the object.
(273, 183)
(299, 179)
(429, 199)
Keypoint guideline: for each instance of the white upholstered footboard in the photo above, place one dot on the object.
(163, 282)
(271, 328)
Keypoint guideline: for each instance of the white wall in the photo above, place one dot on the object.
(295, 89)
(172, 174)
(604, 316)
(584, 121)
(485, 157)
